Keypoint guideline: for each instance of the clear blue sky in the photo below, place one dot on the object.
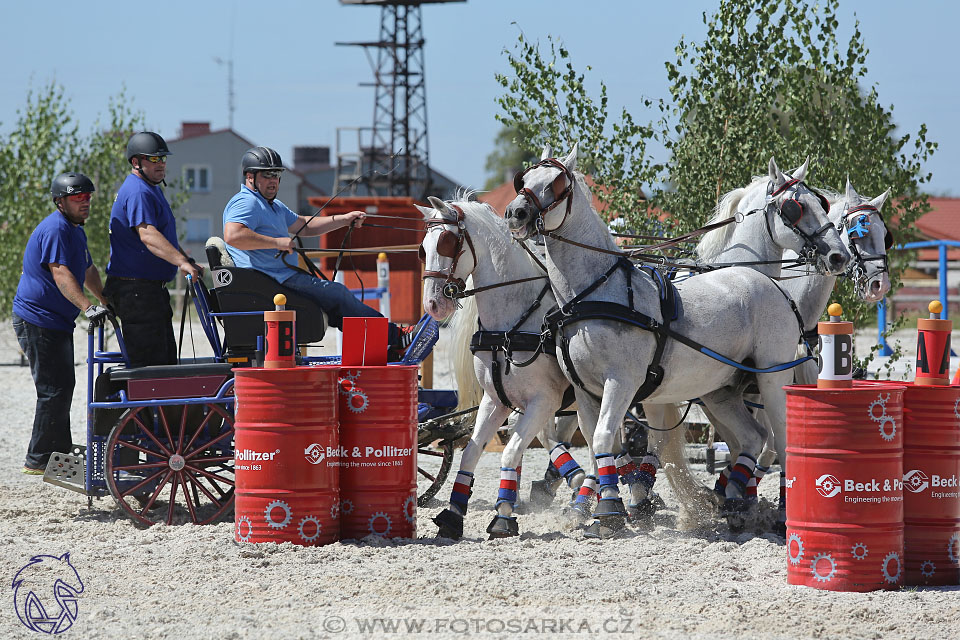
(294, 87)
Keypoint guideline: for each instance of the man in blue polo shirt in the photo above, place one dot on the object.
(256, 226)
(145, 255)
(56, 266)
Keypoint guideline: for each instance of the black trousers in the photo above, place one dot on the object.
(146, 320)
(50, 353)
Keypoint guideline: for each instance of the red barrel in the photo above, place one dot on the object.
(287, 456)
(931, 497)
(378, 438)
(844, 487)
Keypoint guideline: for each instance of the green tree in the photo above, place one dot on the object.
(547, 101)
(44, 143)
(769, 79)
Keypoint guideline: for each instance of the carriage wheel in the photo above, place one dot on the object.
(172, 463)
(433, 464)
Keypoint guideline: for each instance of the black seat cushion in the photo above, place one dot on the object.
(238, 289)
(172, 371)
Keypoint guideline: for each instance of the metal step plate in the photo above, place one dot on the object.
(68, 470)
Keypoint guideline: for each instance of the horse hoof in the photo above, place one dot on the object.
(503, 527)
(450, 523)
(576, 515)
(542, 494)
(644, 510)
(735, 511)
(606, 527)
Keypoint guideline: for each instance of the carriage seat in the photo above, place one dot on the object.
(239, 289)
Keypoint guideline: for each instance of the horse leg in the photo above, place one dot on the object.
(542, 492)
(504, 524)
(775, 404)
(610, 515)
(581, 503)
(490, 416)
(727, 405)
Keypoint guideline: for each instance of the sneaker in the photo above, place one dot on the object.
(32, 472)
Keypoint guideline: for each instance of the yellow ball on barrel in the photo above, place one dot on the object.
(835, 310)
(280, 299)
(935, 307)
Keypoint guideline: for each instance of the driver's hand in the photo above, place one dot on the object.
(191, 269)
(355, 218)
(285, 245)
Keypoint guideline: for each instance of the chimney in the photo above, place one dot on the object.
(194, 129)
(311, 158)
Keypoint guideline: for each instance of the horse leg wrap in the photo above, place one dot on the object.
(648, 471)
(758, 474)
(462, 490)
(503, 527)
(720, 487)
(561, 459)
(450, 523)
(584, 500)
(627, 469)
(739, 476)
(508, 487)
(607, 476)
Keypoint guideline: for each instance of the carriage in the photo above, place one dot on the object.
(160, 438)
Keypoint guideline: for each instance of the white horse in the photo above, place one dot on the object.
(867, 239)
(619, 329)
(512, 293)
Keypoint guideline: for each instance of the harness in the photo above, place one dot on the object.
(860, 228)
(578, 309)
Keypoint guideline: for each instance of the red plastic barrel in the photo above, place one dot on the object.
(287, 455)
(844, 487)
(378, 437)
(931, 497)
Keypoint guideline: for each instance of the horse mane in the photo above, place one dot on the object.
(499, 239)
(714, 242)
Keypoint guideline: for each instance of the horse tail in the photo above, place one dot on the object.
(692, 497)
(465, 323)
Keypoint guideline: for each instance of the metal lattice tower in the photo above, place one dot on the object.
(393, 156)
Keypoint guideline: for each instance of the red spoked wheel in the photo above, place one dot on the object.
(433, 464)
(172, 463)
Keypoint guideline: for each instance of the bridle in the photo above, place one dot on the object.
(791, 211)
(857, 270)
(451, 245)
(560, 192)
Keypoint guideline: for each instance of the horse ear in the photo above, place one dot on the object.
(570, 162)
(775, 175)
(800, 172)
(547, 152)
(426, 212)
(880, 199)
(852, 195)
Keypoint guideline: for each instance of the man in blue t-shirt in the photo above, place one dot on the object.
(145, 255)
(256, 226)
(56, 266)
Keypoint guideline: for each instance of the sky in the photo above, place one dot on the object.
(293, 86)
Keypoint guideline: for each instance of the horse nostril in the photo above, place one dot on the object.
(837, 260)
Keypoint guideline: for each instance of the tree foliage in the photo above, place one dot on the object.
(770, 78)
(44, 143)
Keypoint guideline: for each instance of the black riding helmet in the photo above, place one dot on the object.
(260, 159)
(146, 143)
(68, 184)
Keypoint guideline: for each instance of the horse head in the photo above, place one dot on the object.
(448, 256)
(45, 593)
(796, 220)
(542, 191)
(863, 228)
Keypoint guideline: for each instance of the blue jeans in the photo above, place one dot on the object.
(50, 353)
(336, 301)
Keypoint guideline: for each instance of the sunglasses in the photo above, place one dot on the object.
(271, 175)
(155, 159)
(79, 197)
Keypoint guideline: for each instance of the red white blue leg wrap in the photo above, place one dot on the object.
(588, 490)
(607, 474)
(508, 486)
(462, 490)
(561, 459)
(758, 474)
(720, 487)
(740, 475)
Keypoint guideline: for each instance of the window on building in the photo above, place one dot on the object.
(196, 177)
(198, 229)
